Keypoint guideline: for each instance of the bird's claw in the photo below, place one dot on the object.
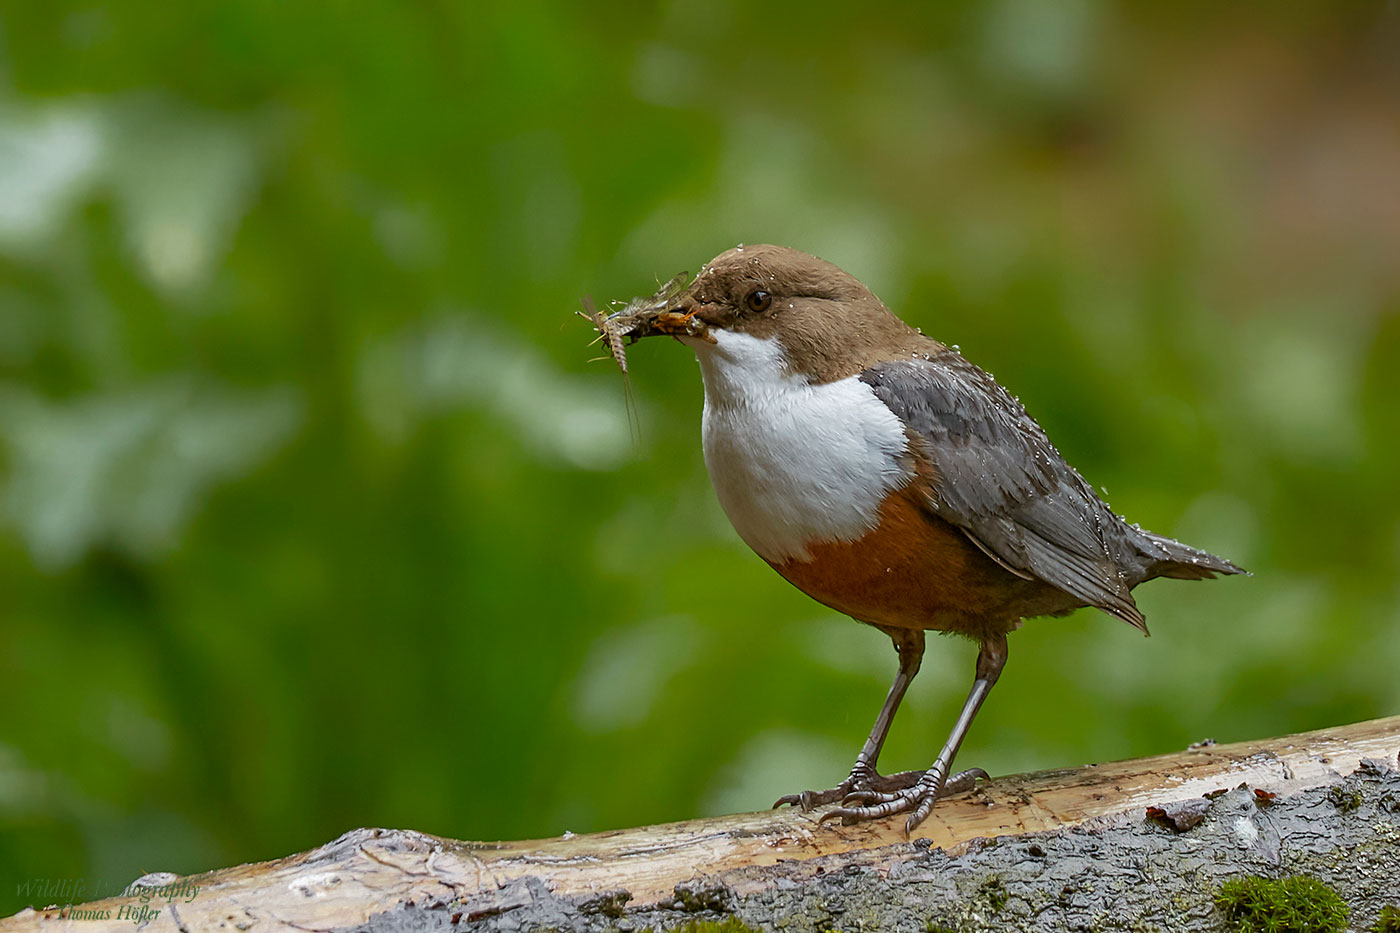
(810, 799)
(864, 804)
(862, 780)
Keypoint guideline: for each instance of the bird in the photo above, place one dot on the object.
(889, 478)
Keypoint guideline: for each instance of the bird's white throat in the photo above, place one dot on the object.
(794, 463)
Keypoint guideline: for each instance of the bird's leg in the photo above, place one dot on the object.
(874, 804)
(863, 777)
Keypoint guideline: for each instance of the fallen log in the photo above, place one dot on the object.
(1120, 844)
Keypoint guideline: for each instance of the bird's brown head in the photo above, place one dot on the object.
(828, 324)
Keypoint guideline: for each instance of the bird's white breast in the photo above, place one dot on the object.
(794, 463)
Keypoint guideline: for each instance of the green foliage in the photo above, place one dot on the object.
(315, 514)
(1292, 905)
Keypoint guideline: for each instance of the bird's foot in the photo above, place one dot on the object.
(861, 804)
(863, 779)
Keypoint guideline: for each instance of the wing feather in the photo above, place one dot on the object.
(998, 478)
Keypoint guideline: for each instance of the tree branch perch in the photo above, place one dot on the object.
(1052, 848)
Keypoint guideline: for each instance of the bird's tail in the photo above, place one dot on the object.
(1165, 557)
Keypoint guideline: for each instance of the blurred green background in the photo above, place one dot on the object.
(315, 514)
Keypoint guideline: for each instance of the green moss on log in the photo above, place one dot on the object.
(727, 925)
(1388, 921)
(1291, 905)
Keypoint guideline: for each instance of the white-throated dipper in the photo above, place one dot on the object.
(889, 478)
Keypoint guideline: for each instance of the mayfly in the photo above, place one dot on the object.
(639, 317)
(648, 314)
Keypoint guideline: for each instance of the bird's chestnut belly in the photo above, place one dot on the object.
(916, 571)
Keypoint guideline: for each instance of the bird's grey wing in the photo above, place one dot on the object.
(997, 477)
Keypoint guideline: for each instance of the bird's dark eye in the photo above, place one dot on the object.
(758, 300)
